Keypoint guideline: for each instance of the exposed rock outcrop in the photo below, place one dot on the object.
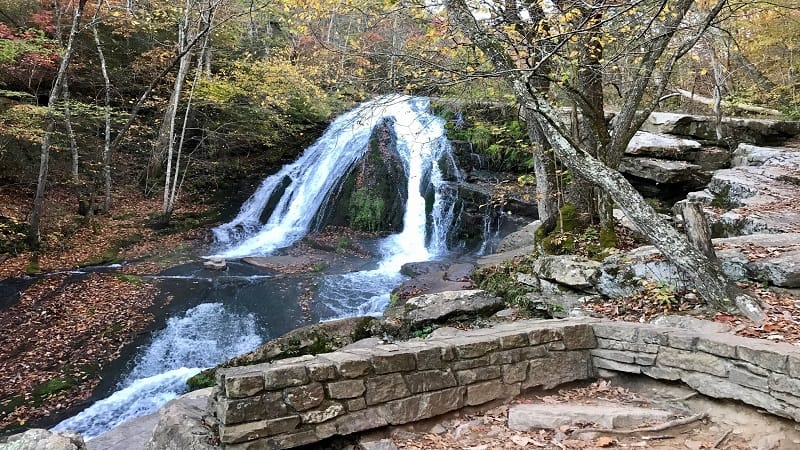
(441, 307)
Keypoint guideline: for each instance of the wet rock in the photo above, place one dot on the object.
(530, 417)
(215, 264)
(415, 269)
(36, 439)
(526, 236)
(131, 435)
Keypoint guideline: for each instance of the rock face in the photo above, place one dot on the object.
(662, 171)
(752, 131)
(373, 196)
(38, 439)
(573, 271)
(759, 195)
(523, 237)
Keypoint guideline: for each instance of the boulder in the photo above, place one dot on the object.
(663, 171)
(570, 270)
(39, 439)
(523, 237)
(181, 425)
(415, 269)
(757, 196)
(443, 306)
(131, 435)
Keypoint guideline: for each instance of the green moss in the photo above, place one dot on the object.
(721, 199)
(366, 210)
(33, 267)
(202, 380)
(608, 237)
(132, 279)
(53, 386)
(568, 218)
(363, 329)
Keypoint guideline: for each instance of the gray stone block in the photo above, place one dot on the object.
(356, 404)
(231, 434)
(716, 346)
(423, 406)
(615, 355)
(762, 356)
(305, 397)
(515, 373)
(398, 362)
(346, 389)
(430, 380)
(429, 358)
(330, 411)
(241, 385)
(518, 339)
(694, 361)
(782, 383)
(611, 344)
(662, 373)
(231, 411)
(579, 337)
(279, 377)
(385, 387)
(349, 365)
(321, 370)
(476, 348)
(517, 355)
(618, 331)
(601, 363)
(746, 378)
(480, 393)
(479, 374)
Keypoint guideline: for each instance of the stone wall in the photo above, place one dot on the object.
(303, 400)
(720, 365)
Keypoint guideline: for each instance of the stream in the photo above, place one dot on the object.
(214, 316)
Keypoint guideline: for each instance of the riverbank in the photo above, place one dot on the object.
(63, 319)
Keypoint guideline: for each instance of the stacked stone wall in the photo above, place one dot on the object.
(303, 400)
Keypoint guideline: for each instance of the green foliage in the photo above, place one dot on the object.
(33, 42)
(505, 145)
(423, 332)
(132, 279)
(366, 210)
(499, 281)
(53, 386)
(263, 102)
(13, 235)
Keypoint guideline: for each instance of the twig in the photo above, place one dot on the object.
(722, 439)
(659, 427)
(659, 437)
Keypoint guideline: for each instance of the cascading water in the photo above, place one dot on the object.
(304, 185)
(208, 334)
(205, 336)
(421, 144)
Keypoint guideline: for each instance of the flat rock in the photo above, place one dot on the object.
(645, 143)
(530, 417)
(752, 131)
(501, 257)
(415, 269)
(691, 323)
(442, 306)
(662, 171)
(131, 435)
(524, 237)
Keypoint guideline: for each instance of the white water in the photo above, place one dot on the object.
(208, 335)
(205, 336)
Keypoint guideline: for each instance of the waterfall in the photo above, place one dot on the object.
(299, 190)
(205, 336)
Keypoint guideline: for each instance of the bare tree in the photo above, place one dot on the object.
(50, 120)
(653, 41)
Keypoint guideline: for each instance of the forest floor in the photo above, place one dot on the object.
(60, 325)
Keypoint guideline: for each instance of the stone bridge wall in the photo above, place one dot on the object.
(303, 400)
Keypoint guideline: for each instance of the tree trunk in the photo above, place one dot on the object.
(106, 156)
(44, 156)
(73, 145)
(706, 274)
